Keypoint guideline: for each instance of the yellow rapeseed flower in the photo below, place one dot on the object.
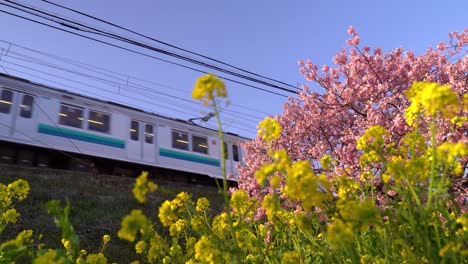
(452, 153)
(430, 98)
(303, 185)
(67, 245)
(326, 161)
(262, 173)
(140, 247)
(177, 228)
(9, 216)
(98, 258)
(275, 181)
(203, 204)
(291, 257)
(106, 239)
(269, 129)
(220, 224)
(339, 233)
(207, 87)
(245, 239)
(50, 256)
(208, 252)
(167, 213)
(373, 138)
(463, 220)
(183, 197)
(459, 120)
(197, 223)
(142, 187)
(272, 207)
(240, 201)
(133, 223)
(282, 162)
(450, 247)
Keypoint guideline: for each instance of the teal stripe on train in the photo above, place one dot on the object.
(82, 136)
(169, 153)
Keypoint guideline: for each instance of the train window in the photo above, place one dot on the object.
(26, 106)
(226, 152)
(98, 121)
(6, 100)
(71, 116)
(149, 134)
(134, 130)
(199, 144)
(180, 140)
(235, 152)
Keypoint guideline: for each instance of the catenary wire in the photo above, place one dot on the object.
(123, 77)
(98, 95)
(93, 30)
(134, 98)
(165, 43)
(117, 84)
(141, 53)
(134, 90)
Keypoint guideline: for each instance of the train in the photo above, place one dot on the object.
(42, 125)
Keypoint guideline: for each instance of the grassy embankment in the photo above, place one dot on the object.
(98, 204)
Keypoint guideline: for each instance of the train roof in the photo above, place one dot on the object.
(114, 104)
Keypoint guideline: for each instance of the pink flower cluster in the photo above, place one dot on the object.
(364, 88)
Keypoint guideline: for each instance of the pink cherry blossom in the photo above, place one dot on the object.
(362, 89)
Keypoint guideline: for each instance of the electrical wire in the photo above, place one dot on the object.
(119, 76)
(98, 95)
(93, 30)
(124, 77)
(117, 84)
(139, 91)
(140, 53)
(165, 43)
(110, 82)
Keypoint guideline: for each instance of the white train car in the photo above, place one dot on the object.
(33, 114)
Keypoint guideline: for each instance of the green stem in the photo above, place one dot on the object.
(223, 160)
(223, 170)
(433, 163)
(415, 196)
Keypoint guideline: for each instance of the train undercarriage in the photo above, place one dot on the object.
(25, 155)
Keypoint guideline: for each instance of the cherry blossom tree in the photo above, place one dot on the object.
(365, 87)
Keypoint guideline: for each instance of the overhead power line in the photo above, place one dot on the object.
(78, 26)
(136, 88)
(113, 74)
(165, 43)
(232, 117)
(140, 53)
(127, 85)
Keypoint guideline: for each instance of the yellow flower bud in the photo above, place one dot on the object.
(269, 129)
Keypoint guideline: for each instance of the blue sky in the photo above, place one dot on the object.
(266, 37)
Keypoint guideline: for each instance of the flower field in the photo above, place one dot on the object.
(381, 192)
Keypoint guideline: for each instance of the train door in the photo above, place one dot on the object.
(227, 157)
(25, 124)
(142, 141)
(134, 140)
(233, 157)
(7, 98)
(149, 143)
(236, 159)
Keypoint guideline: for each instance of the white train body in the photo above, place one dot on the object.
(42, 116)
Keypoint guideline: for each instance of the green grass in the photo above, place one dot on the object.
(98, 204)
